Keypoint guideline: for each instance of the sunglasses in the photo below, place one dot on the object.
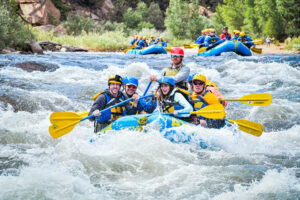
(198, 83)
(131, 86)
(213, 32)
(175, 56)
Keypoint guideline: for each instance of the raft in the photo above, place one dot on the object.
(153, 49)
(228, 46)
(161, 122)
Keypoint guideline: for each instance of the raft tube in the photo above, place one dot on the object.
(228, 46)
(161, 122)
(153, 49)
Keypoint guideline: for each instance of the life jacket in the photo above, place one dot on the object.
(151, 42)
(199, 104)
(170, 71)
(113, 113)
(244, 39)
(170, 105)
(213, 39)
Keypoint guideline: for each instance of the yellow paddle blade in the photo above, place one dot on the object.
(258, 41)
(259, 99)
(250, 127)
(61, 128)
(256, 50)
(169, 49)
(131, 47)
(190, 46)
(202, 49)
(212, 112)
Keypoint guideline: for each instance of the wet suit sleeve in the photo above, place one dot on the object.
(187, 107)
(99, 104)
(182, 75)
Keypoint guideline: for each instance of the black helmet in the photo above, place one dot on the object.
(115, 79)
(225, 28)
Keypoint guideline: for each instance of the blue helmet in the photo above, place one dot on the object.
(132, 81)
(190, 78)
(167, 80)
(125, 80)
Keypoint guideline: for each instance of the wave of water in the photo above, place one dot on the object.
(133, 165)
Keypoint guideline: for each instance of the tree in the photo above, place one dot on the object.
(155, 16)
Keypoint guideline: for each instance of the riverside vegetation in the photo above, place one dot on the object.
(179, 24)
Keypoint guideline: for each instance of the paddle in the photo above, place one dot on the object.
(64, 122)
(147, 88)
(211, 112)
(258, 41)
(190, 46)
(131, 47)
(202, 49)
(259, 99)
(250, 127)
(256, 50)
(169, 49)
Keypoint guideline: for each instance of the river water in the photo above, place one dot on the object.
(133, 165)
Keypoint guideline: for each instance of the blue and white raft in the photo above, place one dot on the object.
(153, 49)
(164, 123)
(228, 46)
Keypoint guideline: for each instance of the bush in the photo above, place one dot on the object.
(13, 32)
(75, 24)
(293, 44)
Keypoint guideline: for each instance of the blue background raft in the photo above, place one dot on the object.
(153, 49)
(228, 46)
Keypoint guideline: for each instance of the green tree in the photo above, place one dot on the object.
(131, 18)
(75, 24)
(155, 16)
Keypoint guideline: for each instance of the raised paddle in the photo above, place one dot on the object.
(211, 112)
(250, 127)
(147, 88)
(131, 47)
(64, 122)
(259, 99)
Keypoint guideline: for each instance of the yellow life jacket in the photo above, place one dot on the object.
(213, 40)
(115, 112)
(170, 71)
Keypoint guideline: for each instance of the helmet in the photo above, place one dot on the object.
(124, 80)
(152, 36)
(177, 51)
(225, 28)
(206, 30)
(136, 36)
(144, 37)
(132, 81)
(242, 34)
(167, 80)
(199, 77)
(157, 38)
(161, 37)
(210, 83)
(212, 30)
(115, 79)
(236, 31)
(190, 78)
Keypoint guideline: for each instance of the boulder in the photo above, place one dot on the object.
(31, 66)
(36, 48)
(60, 30)
(39, 12)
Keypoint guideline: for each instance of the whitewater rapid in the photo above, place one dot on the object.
(134, 165)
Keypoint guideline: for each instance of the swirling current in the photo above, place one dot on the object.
(135, 165)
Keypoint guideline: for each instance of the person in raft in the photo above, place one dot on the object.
(134, 40)
(225, 35)
(246, 40)
(171, 100)
(110, 97)
(236, 34)
(211, 39)
(143, 42)
(200, 40)
(201, 97)
(177, 70)
(152, 40)
(130, 85)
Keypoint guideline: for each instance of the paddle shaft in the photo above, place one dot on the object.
(147, 88)
(244, 99)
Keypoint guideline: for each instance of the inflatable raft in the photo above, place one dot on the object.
(164, 123)
(228, 46)
(153, 49)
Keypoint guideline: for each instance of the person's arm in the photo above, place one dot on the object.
(222, 36)
(99, 104)
(182, 75)
(207, 41)
(187, 107)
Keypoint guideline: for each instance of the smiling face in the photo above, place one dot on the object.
(165, 88)
(114, 88)
(198, 86)
(130, 90)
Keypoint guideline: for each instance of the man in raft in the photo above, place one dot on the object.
(130, 85)
(200, 40)
(200, 98)
(110, 97)
(134, 40)
(152, 40)
(211, 39)
(225, 35)
(246, 40)
(236, 34)
(177, 70)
